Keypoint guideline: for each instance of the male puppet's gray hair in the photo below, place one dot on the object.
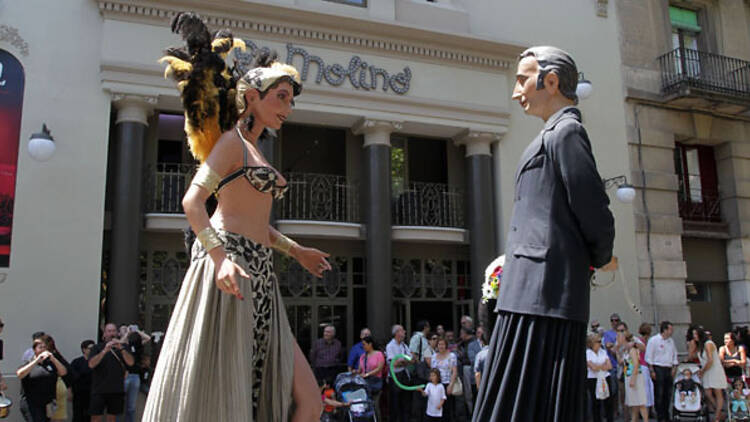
(552, 59)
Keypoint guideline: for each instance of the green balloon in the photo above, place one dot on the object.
(393, 374)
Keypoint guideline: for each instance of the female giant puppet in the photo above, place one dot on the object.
(229, 354)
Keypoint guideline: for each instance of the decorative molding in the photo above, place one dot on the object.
(349, 41)
(377, 132)
(430, 234)
(11, 35)
(331, 230)
(133, 108)
(601, 8)
(478, 142)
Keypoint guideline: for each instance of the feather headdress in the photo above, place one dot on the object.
(207, 86)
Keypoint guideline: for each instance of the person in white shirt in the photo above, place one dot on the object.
(661, 356)
(399, 400)
(598, 363)
(435, 393)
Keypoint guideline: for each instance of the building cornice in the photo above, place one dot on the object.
(379, 37)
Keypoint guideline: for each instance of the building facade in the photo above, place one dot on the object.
(686, 76)
(401, 154)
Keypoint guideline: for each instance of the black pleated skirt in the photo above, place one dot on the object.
(535, 371)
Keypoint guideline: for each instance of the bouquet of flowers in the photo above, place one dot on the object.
(492, 277)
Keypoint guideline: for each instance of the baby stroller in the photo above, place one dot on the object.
(737, 413)
(352, 388)
(694, 408)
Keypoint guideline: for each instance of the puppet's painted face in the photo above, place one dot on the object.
(532, 101)
(276, 105)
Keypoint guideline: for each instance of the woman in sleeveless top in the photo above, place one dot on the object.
(733, 356)
(635, 389)
(229, 353)
(711, 373)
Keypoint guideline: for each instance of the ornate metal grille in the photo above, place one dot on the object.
(429, 204)
(434, 278)
(684, 67)
(161, 277)
(319, 197)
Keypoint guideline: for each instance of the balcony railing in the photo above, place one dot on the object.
(166, 184)
(319, 197)
(707, 211)
(429, 204)
(687, 68)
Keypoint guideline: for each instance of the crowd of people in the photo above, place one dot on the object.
(443, 370)
(639, 371)
(101, 384)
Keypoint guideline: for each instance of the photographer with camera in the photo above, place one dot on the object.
(39, 382)
(108, 360)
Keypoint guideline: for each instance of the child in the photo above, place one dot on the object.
(686, 386)
(435, 393)
(328, 395)
(737, 397)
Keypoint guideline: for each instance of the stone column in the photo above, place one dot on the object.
(127, 211)
(376, 195)
(480, 205)
(733, 166)
(658, 226)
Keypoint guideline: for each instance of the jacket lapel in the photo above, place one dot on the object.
(534, 147)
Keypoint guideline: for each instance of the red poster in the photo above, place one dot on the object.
(11, 102)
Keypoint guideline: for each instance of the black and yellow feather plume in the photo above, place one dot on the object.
(206, 84)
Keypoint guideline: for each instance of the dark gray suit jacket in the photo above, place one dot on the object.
(561, 224)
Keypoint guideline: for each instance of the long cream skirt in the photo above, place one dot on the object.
(225, 359)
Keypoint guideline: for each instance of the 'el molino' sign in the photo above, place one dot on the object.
(360, 74)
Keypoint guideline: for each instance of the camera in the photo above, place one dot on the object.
(133, 328)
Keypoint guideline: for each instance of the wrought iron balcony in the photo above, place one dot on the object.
(429, 204)
(319, 197)
(166, 184)
(707, 210)
(684, 70)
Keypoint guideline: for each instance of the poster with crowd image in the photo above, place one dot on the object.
(11, 102)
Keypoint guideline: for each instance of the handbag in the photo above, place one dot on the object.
(458, 388)
(602, 387)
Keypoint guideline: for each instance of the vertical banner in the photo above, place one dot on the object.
(11, 103)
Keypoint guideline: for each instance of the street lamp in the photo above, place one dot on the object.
(41, 145)
(625, 191)
(584, 88)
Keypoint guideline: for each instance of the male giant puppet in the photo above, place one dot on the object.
(560, 227)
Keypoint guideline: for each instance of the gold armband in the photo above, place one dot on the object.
(206, 178)
(283, 244)
(209, 239)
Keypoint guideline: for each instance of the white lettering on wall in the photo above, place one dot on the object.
(2, 81)
(359, 73)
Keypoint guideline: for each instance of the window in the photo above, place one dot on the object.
(11, 103)
(698, 193)
(698, 292)
(685, 33)
(685, 28)
(361, 3)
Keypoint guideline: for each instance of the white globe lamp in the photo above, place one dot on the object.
(41, 145)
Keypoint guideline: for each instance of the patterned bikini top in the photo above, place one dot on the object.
(263, 178)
